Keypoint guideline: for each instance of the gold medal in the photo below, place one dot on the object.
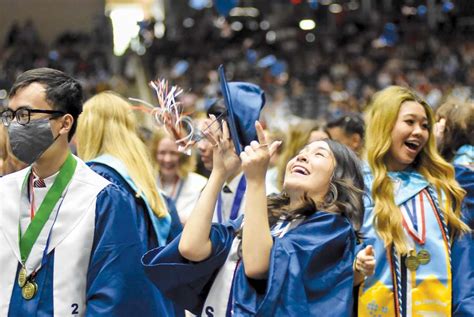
(22, 277)
(423, 256)
(412, 262)
(29, 290)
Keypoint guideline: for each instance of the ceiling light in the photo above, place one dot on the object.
(335, 8)
(310, 38)
(264, 25)
(270, 37)
(237, 26)
(307, 24)
(244, 12)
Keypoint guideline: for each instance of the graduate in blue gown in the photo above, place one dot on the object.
(454, 131)
(111, 284)
(414, 263)
(107, 139)
(291, 255)
(66, 243)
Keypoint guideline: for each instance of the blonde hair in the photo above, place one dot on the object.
(8, 162)
(187, 163)
(107, 125)
(381, 117)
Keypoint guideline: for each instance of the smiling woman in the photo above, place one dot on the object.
(292, 254)
(412, 212)
(176, 175)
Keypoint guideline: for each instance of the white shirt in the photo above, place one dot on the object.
(39, 195)
(186, 193)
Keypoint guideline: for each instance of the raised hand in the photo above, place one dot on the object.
(256, 156)
(365, 261)
(225, 160)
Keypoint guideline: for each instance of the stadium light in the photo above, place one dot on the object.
(307, 24)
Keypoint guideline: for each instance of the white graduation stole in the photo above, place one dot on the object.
(219, 294)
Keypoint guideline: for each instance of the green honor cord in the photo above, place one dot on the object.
(44, 211)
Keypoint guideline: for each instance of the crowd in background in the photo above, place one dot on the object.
(306, 84)
(338, 71)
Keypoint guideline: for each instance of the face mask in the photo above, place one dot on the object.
(28, 142)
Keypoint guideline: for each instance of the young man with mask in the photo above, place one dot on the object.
(66, 244)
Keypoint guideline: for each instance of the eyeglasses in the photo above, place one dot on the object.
(23, 115)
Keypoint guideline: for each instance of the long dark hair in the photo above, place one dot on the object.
(345, 193)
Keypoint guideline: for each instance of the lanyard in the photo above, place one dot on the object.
(410, 219)
(44, 211)
(239, 195)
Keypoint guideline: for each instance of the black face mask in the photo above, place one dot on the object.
(28, 142)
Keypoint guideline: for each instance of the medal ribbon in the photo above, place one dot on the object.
(410, 222)
(239, 195)
(392, 254)
(44, 211)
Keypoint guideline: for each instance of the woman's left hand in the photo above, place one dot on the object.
(256, 156)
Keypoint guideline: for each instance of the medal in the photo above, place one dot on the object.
(29, 290)
(423, 257)
(22, 277)
(412, 262)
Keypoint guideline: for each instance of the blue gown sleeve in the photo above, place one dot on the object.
(116, 282)
(187, 283)
(310, 272)
(462, 250)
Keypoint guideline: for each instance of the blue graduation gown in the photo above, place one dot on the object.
(144, 224)
(114, 288)
(463, 250)
(310, 271)
(148, 236)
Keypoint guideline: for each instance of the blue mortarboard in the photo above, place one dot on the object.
(267, 61)
(251, 56)
(243, 101)
(180, 68)
(198, 4)
(223, 7)
(277, 68)
(390, 34)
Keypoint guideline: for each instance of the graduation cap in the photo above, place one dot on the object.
(223, 7)
(243, 101)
